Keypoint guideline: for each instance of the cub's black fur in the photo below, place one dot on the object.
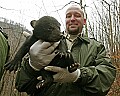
(47, 29)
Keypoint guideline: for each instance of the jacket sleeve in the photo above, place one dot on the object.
(98, 78)
(26, 79)
(4, 51)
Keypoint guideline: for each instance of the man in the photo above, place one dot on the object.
(4, 49)
(94, 77)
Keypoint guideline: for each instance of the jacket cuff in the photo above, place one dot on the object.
(78, 74)
(31, 71)
(33, 66)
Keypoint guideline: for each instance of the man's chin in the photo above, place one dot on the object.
(73, 32)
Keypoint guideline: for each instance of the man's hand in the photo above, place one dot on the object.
(63, 75)
(41, 54)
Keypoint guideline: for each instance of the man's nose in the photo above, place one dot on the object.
(72, 18)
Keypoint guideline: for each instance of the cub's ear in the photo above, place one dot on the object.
(32, 23)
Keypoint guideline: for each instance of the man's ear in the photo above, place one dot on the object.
(32, 23)
(84, 21)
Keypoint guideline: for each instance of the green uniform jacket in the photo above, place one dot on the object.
(3, 52)
(97, 73)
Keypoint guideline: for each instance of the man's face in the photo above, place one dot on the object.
(74, 20)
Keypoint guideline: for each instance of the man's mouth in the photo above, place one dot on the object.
(73, 25)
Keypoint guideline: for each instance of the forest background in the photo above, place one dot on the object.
(103, 25)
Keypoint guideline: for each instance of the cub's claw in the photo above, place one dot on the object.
(73, 67)
(40, 84)
(12, 66)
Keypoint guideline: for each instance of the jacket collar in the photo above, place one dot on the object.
(80, 37)
(83, 38)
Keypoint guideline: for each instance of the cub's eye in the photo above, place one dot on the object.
(58, 28)
(50, 29)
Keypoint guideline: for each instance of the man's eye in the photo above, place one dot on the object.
(77, 15)
(68, 16)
